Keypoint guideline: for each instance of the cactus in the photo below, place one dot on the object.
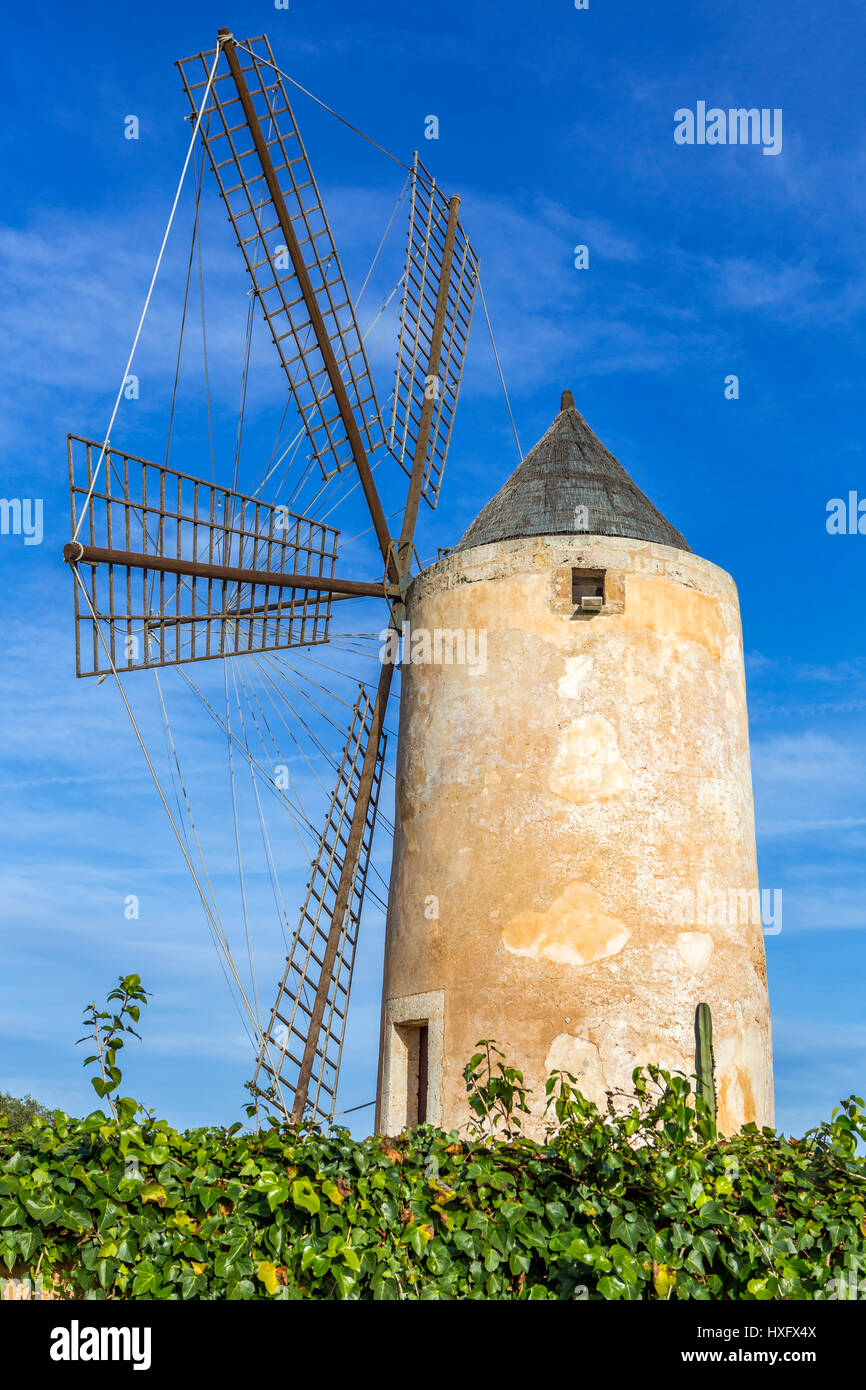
(704, 1062)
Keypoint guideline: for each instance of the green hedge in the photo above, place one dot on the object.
(637, 1203)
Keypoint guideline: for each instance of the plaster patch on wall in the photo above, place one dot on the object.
(577, 669)
(588, 765)
(582, 1058)
(695, 948)
(741, 1062)
(675, 611)
(574, 930)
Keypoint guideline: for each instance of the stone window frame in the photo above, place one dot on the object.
(403, 1015)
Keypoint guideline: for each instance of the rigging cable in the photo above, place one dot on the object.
(215, 927)
(170, 740)
(192, 246)
(269, 64)
(204, 343)
(290, 806)
(245, 378)
(385, 235)
(499, 368)
(241, 876)
(189, 152)
(272, 867)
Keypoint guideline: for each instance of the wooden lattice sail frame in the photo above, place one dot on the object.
(440, 280)
(317, 979)
(196, 570)
(182, 569)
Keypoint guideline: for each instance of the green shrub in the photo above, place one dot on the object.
(632, 1203)
(21, 1112)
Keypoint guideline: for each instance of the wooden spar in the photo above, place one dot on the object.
(361, 808)
(419, 462)
(94, 555)
(344, 888)
(353, 434)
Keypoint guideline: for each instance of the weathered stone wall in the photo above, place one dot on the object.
(566, 813)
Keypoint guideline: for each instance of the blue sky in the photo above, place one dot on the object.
(556, 127)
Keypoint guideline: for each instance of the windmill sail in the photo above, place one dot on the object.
(276, 210)
(150, 536)
(439, 291)
(286, 1040)
(170, 568)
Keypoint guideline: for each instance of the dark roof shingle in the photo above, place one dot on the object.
(570, 468)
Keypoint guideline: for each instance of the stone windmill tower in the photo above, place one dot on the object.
(574, 861)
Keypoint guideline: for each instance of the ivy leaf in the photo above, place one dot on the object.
(712, 1214)
(344, 1280)
(664, 1279)
(127, 1249)
(464, 1242)
(126, 1108)
(305, 1196)
(10, 1214)
(277, 1195)
(154, 1192)
(45, 1208)
(105, 1272)
(146, 1280)
(242, 1290)
(29, 1242)
(556, 1213)
(764, 1288)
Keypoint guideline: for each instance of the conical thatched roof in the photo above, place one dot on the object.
(570, 468)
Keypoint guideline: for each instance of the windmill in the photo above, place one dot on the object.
(171, 569)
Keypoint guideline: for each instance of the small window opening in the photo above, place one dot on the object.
(422, 1073)
(587, 590)
(415, 1038)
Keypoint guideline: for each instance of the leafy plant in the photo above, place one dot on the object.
(105, 1029)
(626, 1203)
(631, 1200)
(496, 1092)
